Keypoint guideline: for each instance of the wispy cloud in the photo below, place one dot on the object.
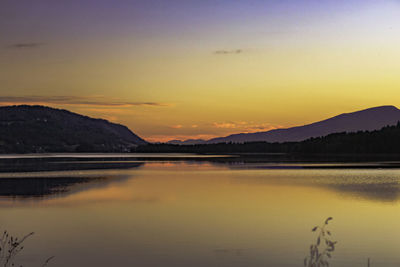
(244, 126)
(25, 45)
(226, 52)
(178, 126)
(96, 101)
(225, 125)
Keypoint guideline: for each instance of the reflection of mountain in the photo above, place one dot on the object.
(39, 187)
(373, 191)
(385, 192)
(32, 178)
(51, 184)
(64, 164)
(352, 181)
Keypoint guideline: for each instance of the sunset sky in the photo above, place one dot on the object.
(178, 69)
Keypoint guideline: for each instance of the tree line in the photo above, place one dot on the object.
(385, 140)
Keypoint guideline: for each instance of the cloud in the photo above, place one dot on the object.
(25, 45)
(226, 52)
(246, 127)
(97, 101)
(225, 125)
(178, 126)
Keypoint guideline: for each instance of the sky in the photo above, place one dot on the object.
(179, 69)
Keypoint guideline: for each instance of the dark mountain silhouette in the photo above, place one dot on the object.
(360, 144)
(30, 129)
(364, 120)
(187, 142)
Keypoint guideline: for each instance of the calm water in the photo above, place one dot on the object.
(198, 213)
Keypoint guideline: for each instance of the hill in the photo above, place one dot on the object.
(187, 142)
(31, 129)
(364, 120)
(383, 141)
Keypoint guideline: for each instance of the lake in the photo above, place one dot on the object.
(187, 210)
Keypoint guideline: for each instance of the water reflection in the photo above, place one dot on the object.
(371, 185)
(57, 179)
(44, 177)
(12, 165)
(202, 213)
(40, 187)
(382, 192)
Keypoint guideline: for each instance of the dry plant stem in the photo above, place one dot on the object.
(320, 252)
(9, 248)
(47, 261)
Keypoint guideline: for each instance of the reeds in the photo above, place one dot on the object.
(321, 251)
(10, 246)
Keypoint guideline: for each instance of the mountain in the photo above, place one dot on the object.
(30, 129)
(187, 142)
(376, 145)
(364, 120)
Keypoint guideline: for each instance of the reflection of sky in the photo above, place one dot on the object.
(217, 216)
(370, 183)
(342, 53)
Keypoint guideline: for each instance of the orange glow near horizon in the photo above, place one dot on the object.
(168, 72)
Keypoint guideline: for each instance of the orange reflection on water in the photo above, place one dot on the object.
(189, 214)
